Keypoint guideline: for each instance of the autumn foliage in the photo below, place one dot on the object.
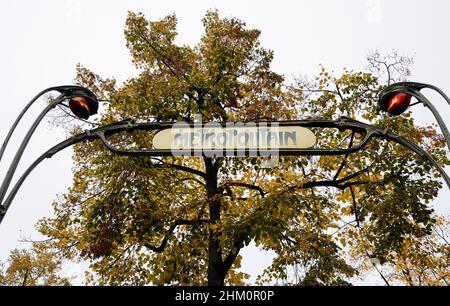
(183, 221)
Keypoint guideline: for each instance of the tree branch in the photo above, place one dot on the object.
(245, 185)
(344, 161)
(162, 164)
(231, 257)
(341, 184)
(163, 58)
(177, 223)
(187, 169)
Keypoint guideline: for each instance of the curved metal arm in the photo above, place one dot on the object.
(49, 154)
(446, 98)
(436, 113)
(16, 123)
(66, 89)
(415, 148)
(419, 86)
(23, 145)
(342, 124)
(66, 92)
(438, 117)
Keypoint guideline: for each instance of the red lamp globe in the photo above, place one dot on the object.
(398, 103)
(82, 107)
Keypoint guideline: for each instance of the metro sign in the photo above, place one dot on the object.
(220, 138)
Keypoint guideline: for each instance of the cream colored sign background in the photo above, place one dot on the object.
(285, 137)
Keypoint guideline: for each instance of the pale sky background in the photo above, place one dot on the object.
(42, 41)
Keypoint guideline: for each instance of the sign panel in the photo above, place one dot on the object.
(234, 138)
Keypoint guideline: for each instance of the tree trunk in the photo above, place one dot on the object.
(216, 273)
(25, 278)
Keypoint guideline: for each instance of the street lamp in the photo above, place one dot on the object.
(82, 102)
(396, 98)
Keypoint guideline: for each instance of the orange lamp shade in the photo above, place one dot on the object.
(80, 107)
(398, 103)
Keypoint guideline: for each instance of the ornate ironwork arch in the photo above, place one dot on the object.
(367, 131)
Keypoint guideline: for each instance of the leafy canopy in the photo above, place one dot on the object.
(177, 220)
(35, 267)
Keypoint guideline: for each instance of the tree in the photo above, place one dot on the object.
(184, 220)
(418, 261)
(35, 267)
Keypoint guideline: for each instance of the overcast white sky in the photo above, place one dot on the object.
(42, 41)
